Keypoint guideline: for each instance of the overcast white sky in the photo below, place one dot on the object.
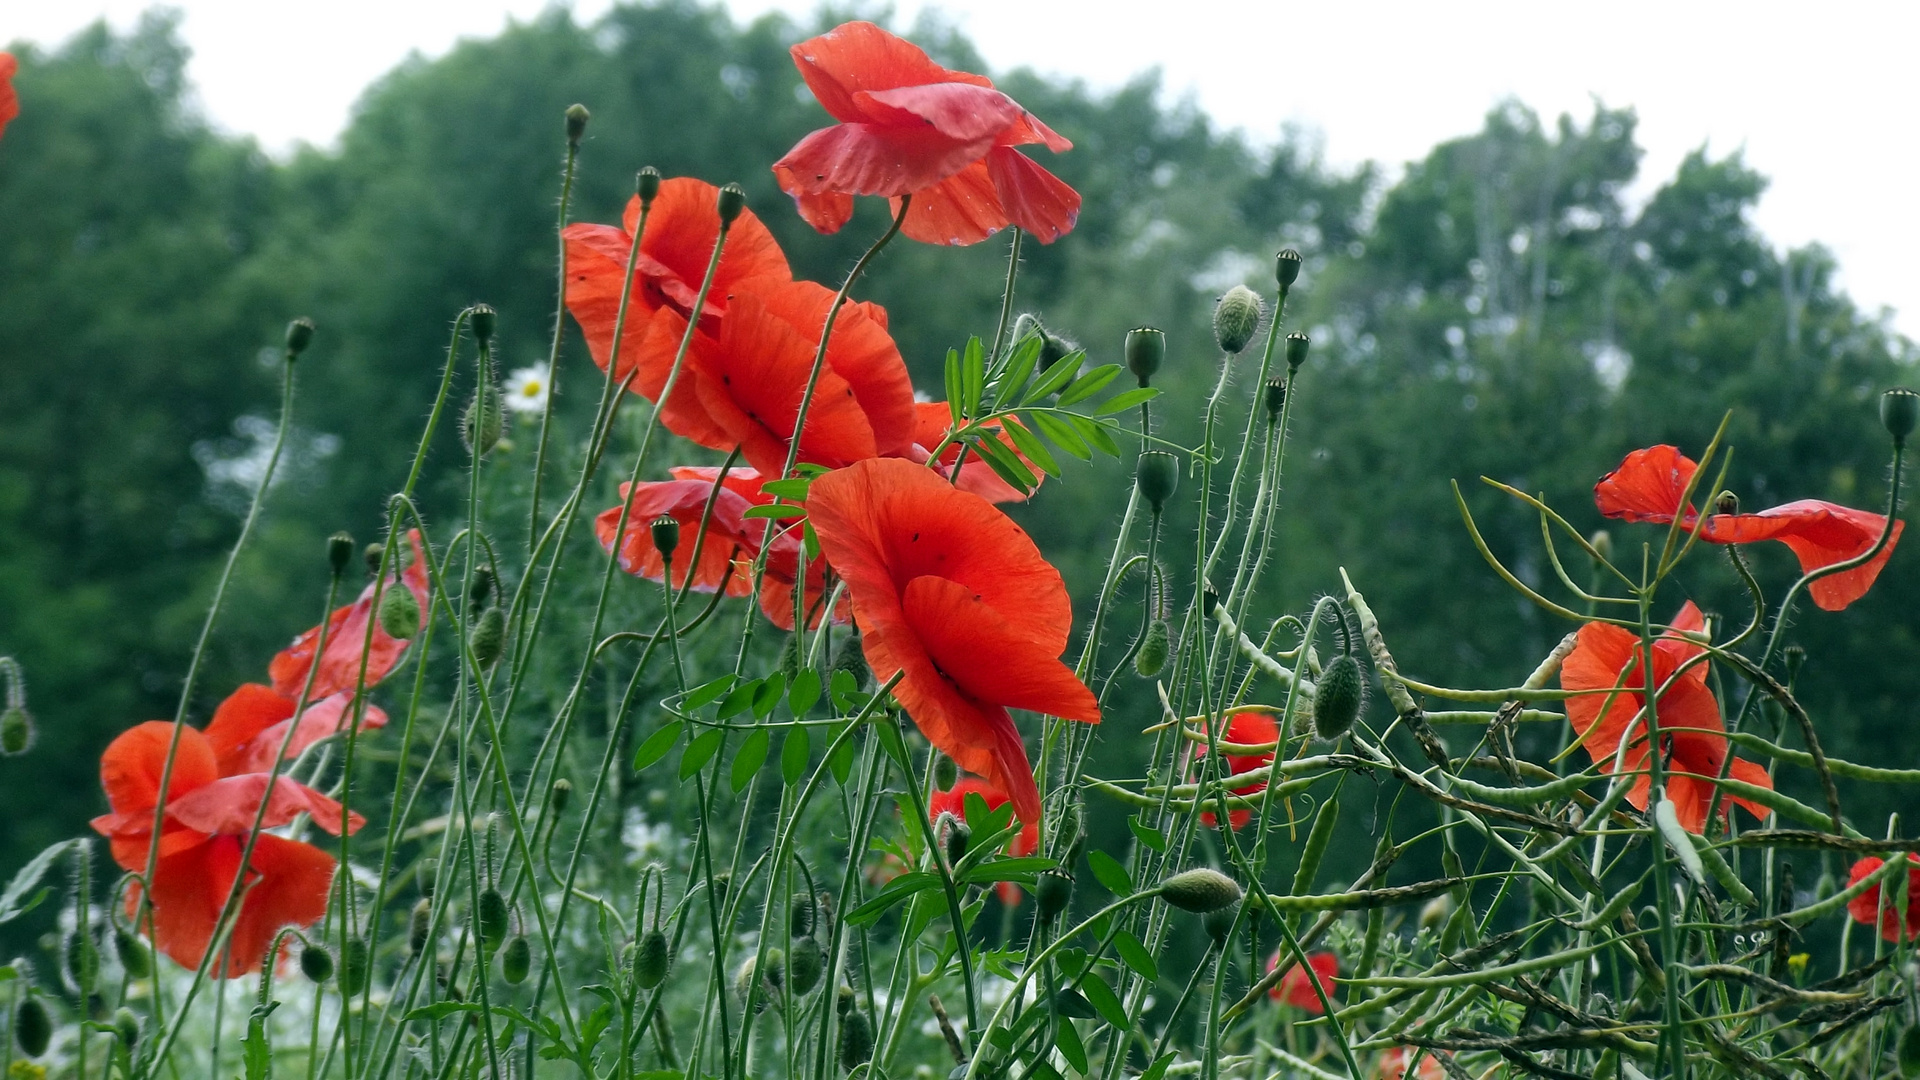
(1822, 99)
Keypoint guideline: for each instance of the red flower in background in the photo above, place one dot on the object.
(1865, 908)
(247, 729)
(1295, 988)
(1689, 716)
(911, 127)
(347, 639)
(932, 420)
(954, 801)
(954, 596)
(208, 818)
(725, 554)
(1246, 729)
(1393, 1065)
(9, 101)
(1647, 487)
(783, 554)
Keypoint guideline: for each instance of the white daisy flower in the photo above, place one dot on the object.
(526, 390)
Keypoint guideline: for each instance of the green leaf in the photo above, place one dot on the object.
(1062, 435)
(1135, 955)
(1070, 1003)
(811, 539)
(1095, 433)
(896, 748)
(700, 751)
(738, 699)
(1150, 837)
(842, 762)
(1003, 462)
(747, 761)
(772, 689)
(804, 693)
(1102, 998)
(795, 753)
(1019, 368)
(844, 687)
(440, 1010)
(15, 902)
(1021, 869)
(1159, 1067)
(1122, 402)
(708, 693)
(255, 1052)
(657, 745)
(973, 375)
(1111, 875)
(1068, 1040)
(896, 891)
(1055, 377)
(956, 392)
(1030, 445)
(776, 510)
(793, 487)
(1088, 385)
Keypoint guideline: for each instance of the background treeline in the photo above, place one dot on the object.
(1500, 309)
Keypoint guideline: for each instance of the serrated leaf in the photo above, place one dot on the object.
(1056, 376)
(1088, 385)
(1150, 837)
(700, 751)
(1062, 435)
(896, 891)
(1112, 876)
(793, 487)
(1122, 402)
(1135, 955)
(1030, 445)
(772, 689)
(804, 692)
(747, 761)
(1067, 1040)
(1103, 999)
(656, 746)
(738, 699)
(1095, 433)
(794, 755)
(776, 510)
(707, 693)
(15, 902)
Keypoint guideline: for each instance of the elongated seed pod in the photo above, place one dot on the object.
(1316, 849)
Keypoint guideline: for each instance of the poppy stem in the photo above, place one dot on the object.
(553, 350)
(1006, 302)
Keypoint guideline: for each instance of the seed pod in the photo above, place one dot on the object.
(484, 319)
(577, 117)
(339, 552)
(1276, 397)
(491, 919)
(1152, 657)
(1316, 848)
(1726, 503)
(559, 795)
(1338, 697)
(800, 914)
(1146, 349)
(371, 555)
(646, 184)
(1235, 318)
(1899, 411)
(32, 1027)
(1297, 351)
(1052, 892)
(488, 638)
(126, 1027)
(732, 200)
(806, 965)
(945, 773)
(856, 1040)
(1157, 474)
(135, 960)
(1200, 889)
(399, 612)
(299, 336)
(481, 425)
(515, 960)
(666, 535)
(419, 927)
(316, 963)
(650, 959)
(1286, 268)
(356, 963)
(16, 732)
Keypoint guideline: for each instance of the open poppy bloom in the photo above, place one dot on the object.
(347, 640)
(1245, 729)
(208, 818)
(723, 555)
(954, 801)
(1394, 1060)
(1691, 732)
(911, 127)
(248, 728)
(1647, 487)
(1865, 908)
(953, 596)
(1295, 988)
(932, 420)
(783, 555)
(9, 100)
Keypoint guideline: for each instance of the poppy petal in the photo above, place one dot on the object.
(1035, 199)
(717, 557)
(1647, 486)
(742, 480)
(871, 159)
(965, 112)
(981, 653)
(347, 639)
(241, 718)
(960, 210)
(826, 211)
(291, 889)
(9, 98)
(857, 56)
(862, 353)
(131, 767)
(228, 806)
(1820, 534)
(323, 719)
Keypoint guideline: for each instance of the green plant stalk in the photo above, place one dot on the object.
(553, 351)
(1006, 309)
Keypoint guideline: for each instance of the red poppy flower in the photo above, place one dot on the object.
(1295, 988)
(346, 639)
(1245, 729)
(911, 127)
(954, 801)
(9, 100)
(1393, 1065)
(1689, 716)
(247, 729)
(952, 595)
(931, 422)
(208, 818)
(725, 554)
(1865, 908)
(1647, 487)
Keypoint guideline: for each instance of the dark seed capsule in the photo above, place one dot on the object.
(1157, 475)
(1052, 892)
(650, 960)
(491, 919)
(1297, 350)
(339, 552)
(316, 963)
(1286, 267)
(32, 1027)
(732, 202)
(299, 336)
(1276, 397)
(484, 320)
(1900, 411)
(516, 960)
(1337, 698)
(646, 184)
(666, 535)
(371, 555)
(1146, 350)
(559, 795)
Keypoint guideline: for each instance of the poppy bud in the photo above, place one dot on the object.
(419, 927)
(488, 638)
(1235, 317)
(356, 963)
(1286, 268)
(1726, 503)
(1602, 542)
(482, 590)
(135, 960)
(372, 554)
(1201, 890)
(844, 1000)
(800, 914)
(1157, 475)
(733, 199)
(484, 319)
(1899, 411)
(1152, 657)
(1297, 350)
(945, 773)
(666, 535)
(1337, 698)
(299, 336)
(399, 612)
(646, 184)
(1907, 1055)
(339, 552)
(126, 1027)
(746, 984)
(83, 960)
(650, 959)
(425, 876)
(491, 919)
(852, 659)
(1276, 397)
(577, 117)
(1053, 890)
(559, 795)
(516, 960)
(1054, 348)
(1795, 656)
(1219, 922)
(954, 835)
(1209, 598)
(1434, 913)
(806, 965)
(1146, 348)
(481, 425)
(32, 1027)
(856, 1040)
(316, 963)
(16, 731)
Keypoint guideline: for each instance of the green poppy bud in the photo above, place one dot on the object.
(491, 919)
(1286, 268)
(577, 117)
(135, 960)
(1297, 350)
(1157, 474)
(1219, 922)
(516, 960)
(1795, 656)
(650, 959)
(1435, 912)
(1146, 349)
(399, 611)
(480, 593)
(32, 1027)
(339, 552)
(1602, 542)
(746, 982)
(1054, 348)
(484, 319)
(1052, 892)
(954, 837)
(844, 1000)
(800, 914)
(419, 927)
(1235, 318)
(16, 731)
(666, 536)
(1152, 657)
(945, 773)
(806, 965)
(371, 555)
(488, 638)
(1337, 697)
(1276, 397)
(126, 1027)
(646, 184)
(481, 425)
(559, 795)
(425, 876)
(849, 657)
(299, 336)
(316, 963)
(356, 964)
(1200, 890)
(856, 1040)
(83, 959)
(733, 200)
(1907, 1054)
(1899, 411)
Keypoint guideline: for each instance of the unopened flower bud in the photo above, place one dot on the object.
(1795, 656)
(371, 555)
(1434, 913)
(800, 914)
(426, 875)
(1602, 542)
(482, 591)
(1235, 318)
(666, 536)
(1286, 268)
(1907, 1053)
(1146, 349)
(83, 959)
(746, 981)
(577, 117)
(126, 1027)
(481, 425)
(954, 835)
(856, 1040)
(16, 731)
(491, 919)
(32, 1027)
(559, 795)
(1297, 350)
(135, 960)
(1152, 657)
(484, 319)
(1200, 890)
(1054, 348)
(516, 960)
(733, 199)
(399, 612)
(945, 773)
(1337, 698)
(1053, 890)
(356, 964)
(1157, 475)
(299, 336)
(316, 963)
(1219, 922)
(646, 184)
(851, 658)
(488, 638)
(1899, 411)
(806, 965)
(420, 927)
(1276, 397)
(650, 959)
(1726, 503)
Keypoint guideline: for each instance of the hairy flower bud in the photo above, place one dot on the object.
(856, 1040)
(666, 536)
(1235, 318)
(1899, 411)
(1907, 1053)
(1286, 268)
(577, 117)
(516, 960)
(801, 912)
(1297, 350)
(746, 981)
(1219, 922)
(559, 795)
(491, 919)
(805, 966)
(135, 960)
(399, 612)
(299, 336)
(316, 963)
(356, 964)
(484, 319)
(945, 773)
(83, 959)
(488, 638)
(1602, 542)
(426, 875)
(1157, 475)
(1052, 891)
(481, 592)
(126, 1027)
(32, 1027)
(650, 959)
(419, 927)
(482, 425)
(732, 200)
(849, 657)
(371, 555)
(1337, 697)
(1146, 349)
(1152, 657)
(954, 836)
(16, 731)
(1200, 889)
